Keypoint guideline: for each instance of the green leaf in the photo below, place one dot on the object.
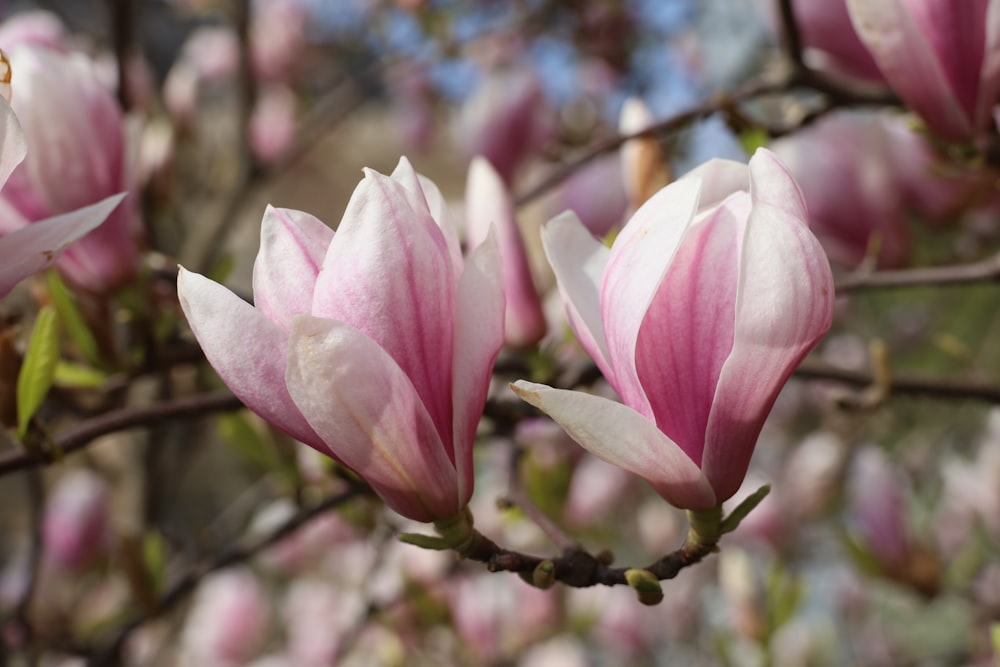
(732, 522)
(77, 376)
(39, 368)
(72, 319)
(155, 559)
(753, 138)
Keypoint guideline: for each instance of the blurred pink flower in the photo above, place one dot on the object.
(488, 206)
(697, 315)
(229, 621)
(27, 249)
(272, 124)
(878, 509)
(941, 56)
(862, 175)
(76, 157)
(596, 194)
(506, 120)
(76, 527)
(37, 28)
(831, 43)
(373, 345)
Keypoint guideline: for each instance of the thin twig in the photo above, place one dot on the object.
(80, 435)
(984, 271)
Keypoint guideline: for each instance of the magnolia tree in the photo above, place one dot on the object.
(669, 342)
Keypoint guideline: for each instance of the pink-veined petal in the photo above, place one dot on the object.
(368, 412)
(638, 260)
(292, 247)
(32, 248)
(488, 206)
(911, 65)
(772, 184)
(386, 273)
(578, 261)
(479, 314)
(621, 436)
(688, 330)
(784, 308)
(246, 349)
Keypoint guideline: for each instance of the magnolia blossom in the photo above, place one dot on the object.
(76, 157)
(505, 120)
(831, 42)
(76, 526)
(27, 250)
(697, 315)
(941, 56)
(373, 345)
(487, 205)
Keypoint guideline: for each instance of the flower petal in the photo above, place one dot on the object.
(687, 333)
(578, 261)
(479, 314)
(246, 349)
(639, 258)
(488, 206)
(719, 179)
(911, 65)
(292, 247)
(32, 248)
(386, 274)
(621, 436)
(784, 307)
(370, 415)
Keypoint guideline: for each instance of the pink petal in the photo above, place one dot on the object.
(292, 247)
(387, 273)
(623, 437)
(488, 206)
(578, 261)
(370, 415)
(32, 248)
(246, 349)
(639, 258)
(784, 307)
(687, 334)
(719, 179)
(479, 313)
(911, 65)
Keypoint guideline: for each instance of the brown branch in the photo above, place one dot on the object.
(672, 124)
(791, 36)
(80, 435)
(578, 568)
(984, 271)
(911, 385)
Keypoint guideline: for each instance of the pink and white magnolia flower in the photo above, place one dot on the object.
(941, 56)
(697, 315)
(27, 250)
(373, 345)
(76, 157)
(487, 206)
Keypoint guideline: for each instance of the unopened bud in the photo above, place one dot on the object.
(646, 585)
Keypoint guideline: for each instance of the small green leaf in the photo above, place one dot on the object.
(39, 368)
(732, 522)
(753, 138)
(155, 559)
(77, 376)
(72, 319)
